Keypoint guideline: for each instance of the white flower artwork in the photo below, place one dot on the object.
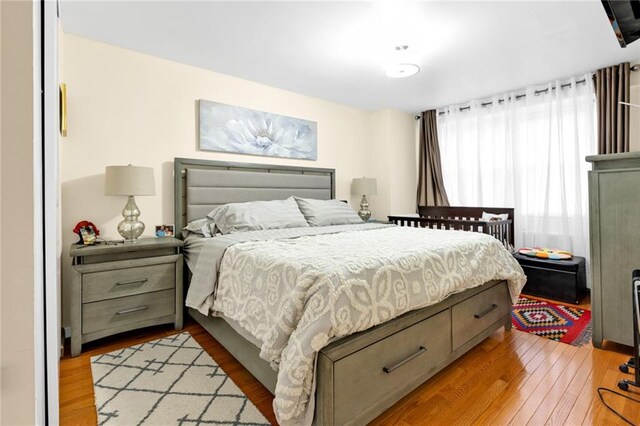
(229, 128)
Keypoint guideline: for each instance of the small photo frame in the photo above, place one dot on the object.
(88, 235)
(164, 231)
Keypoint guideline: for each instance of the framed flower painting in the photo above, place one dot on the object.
(229, 128)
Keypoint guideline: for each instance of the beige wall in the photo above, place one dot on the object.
(17, 393)
(127, 107)
(393, 159)
(634, 119)
(403, 169)
(379, 155)
(1, 204)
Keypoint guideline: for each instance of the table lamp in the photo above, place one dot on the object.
(364, 186)
(130, 181)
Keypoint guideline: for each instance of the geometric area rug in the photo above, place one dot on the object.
(561, 323)
(169, 381)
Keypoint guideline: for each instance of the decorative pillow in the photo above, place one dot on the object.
(491, 216)
(258, 215)
(545, 253)
(205, 227)
(327, 212)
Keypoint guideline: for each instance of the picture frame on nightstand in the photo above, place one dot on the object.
(164, 231)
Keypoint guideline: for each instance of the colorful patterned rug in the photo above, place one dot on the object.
(561, 323)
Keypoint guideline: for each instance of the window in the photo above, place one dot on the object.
(527, 152)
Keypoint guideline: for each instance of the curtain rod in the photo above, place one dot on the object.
(633, 68)
(518, 97)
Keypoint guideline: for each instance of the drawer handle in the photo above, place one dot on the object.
(132, 310)
(404, 361)
(142, 281)
(483, 313)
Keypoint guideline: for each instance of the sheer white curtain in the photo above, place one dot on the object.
(527, 153)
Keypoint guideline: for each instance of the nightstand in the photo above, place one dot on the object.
(372, 220)
(124, 286)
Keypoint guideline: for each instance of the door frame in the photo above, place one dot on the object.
(47, 247)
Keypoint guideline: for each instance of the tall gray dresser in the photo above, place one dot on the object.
(614, 210)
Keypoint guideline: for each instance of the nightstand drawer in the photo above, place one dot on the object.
(112, 313)
(114, 283)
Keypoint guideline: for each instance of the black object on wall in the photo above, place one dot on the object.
(624, 16)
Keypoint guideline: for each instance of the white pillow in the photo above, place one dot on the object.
(491, 216)
(204, 227)
(258, 215)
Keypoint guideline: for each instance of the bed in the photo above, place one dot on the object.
(356, 376)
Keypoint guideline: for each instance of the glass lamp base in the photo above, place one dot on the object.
(364, 212)
(131, 228)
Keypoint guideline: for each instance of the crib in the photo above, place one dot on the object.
(462, 219)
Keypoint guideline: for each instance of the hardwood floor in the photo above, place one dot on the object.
(510, 378)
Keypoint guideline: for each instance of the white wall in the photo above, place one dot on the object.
(62, 260)
(17, 354)
(127, 107)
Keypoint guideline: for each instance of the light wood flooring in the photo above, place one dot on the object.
(510, 378)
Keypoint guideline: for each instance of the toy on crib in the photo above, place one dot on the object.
(545, 253)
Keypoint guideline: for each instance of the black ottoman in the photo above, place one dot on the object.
(563, 280)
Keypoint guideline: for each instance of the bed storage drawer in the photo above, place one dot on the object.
(114, 283)
(476, 314)
(123, 311)
(390, 368)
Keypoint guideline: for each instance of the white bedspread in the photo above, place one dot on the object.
(296, 295)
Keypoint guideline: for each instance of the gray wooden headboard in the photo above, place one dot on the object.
(201, 185)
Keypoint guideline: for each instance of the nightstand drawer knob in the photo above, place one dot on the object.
(132, 310)
(142, 281)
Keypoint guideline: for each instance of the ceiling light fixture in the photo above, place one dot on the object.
(405, 63)
(401, 70)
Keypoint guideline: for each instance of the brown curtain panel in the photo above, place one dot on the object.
(612, 86)
(431, 190)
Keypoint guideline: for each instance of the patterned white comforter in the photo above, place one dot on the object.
(296, 295)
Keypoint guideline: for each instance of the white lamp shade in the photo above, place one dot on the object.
(364, 186)
(129, 180)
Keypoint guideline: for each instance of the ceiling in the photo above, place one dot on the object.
(338, 50)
